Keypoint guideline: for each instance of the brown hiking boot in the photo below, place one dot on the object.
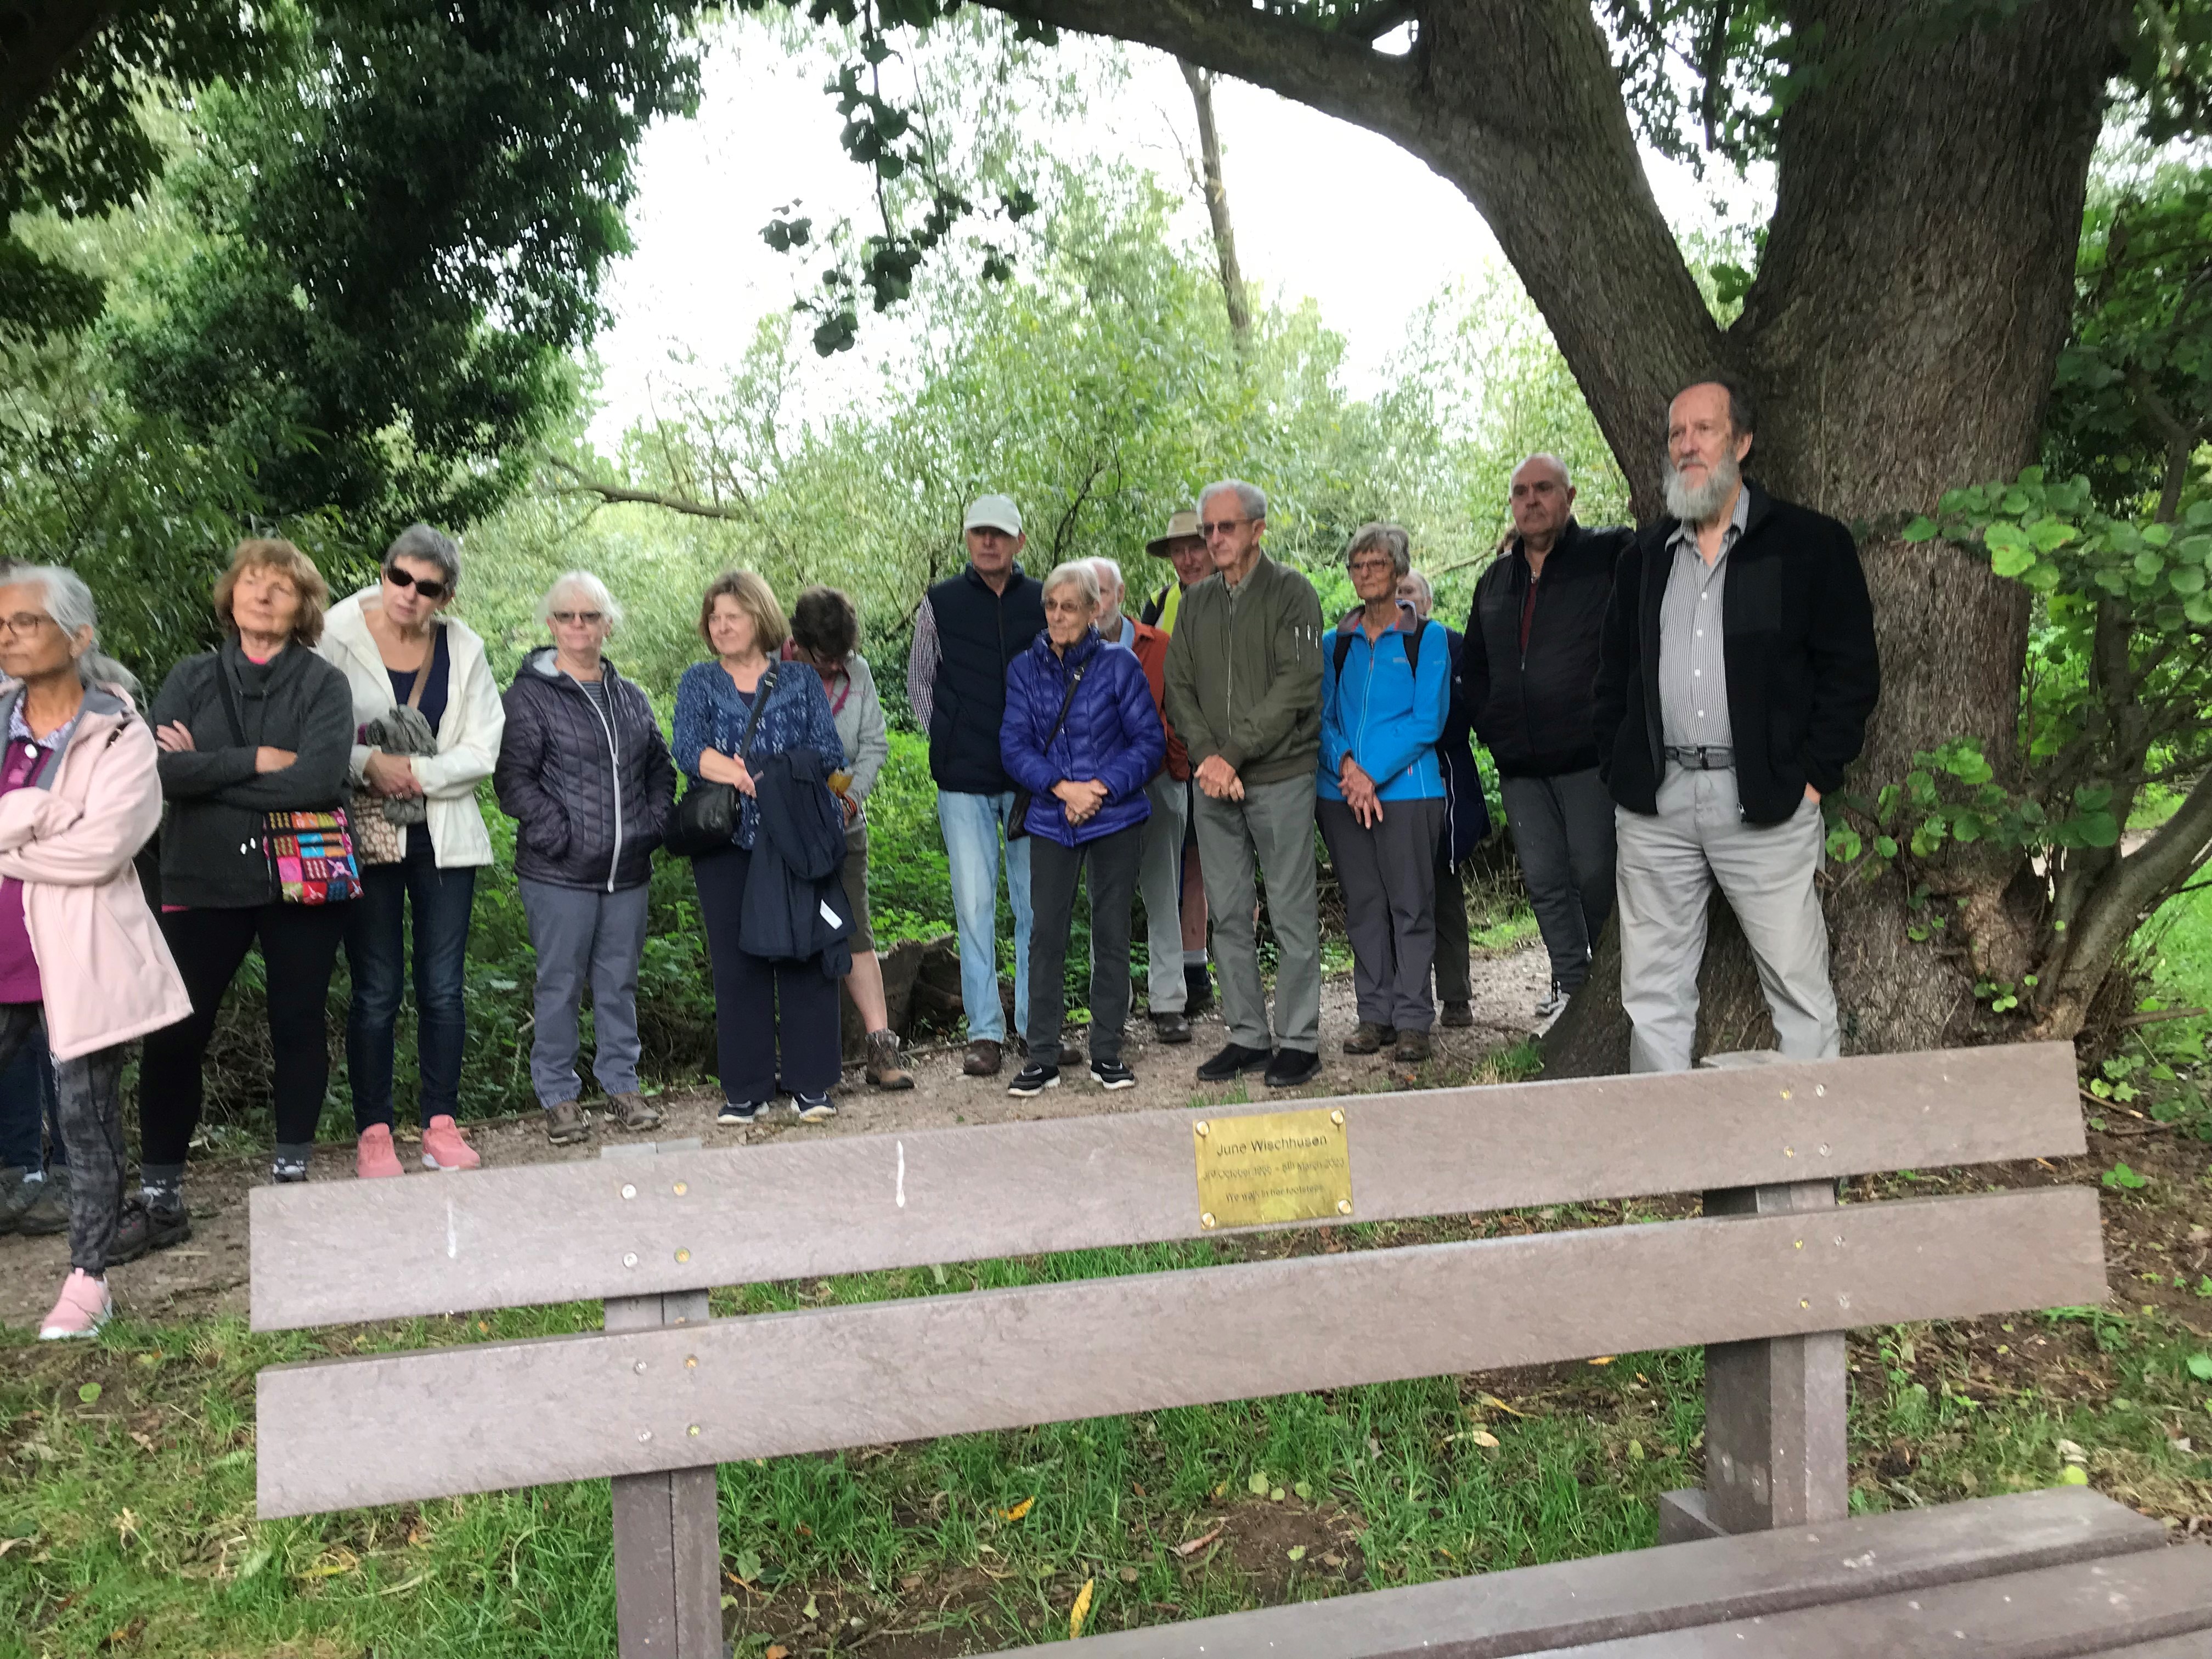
(1368, 1038)
(984, 1058)
(564, 1123)
(884, 1071)
(1457, 1014)
(633, 1111)
(1413, 1047)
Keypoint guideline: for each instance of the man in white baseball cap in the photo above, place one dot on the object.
(970, 627)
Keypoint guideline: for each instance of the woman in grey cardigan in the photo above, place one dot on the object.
(825, 630)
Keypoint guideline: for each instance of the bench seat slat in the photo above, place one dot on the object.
(1534, 1609)
(2055, 1613)
(778, 1384)
(557, 1232)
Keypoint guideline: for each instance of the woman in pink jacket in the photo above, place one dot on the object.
(79, 796)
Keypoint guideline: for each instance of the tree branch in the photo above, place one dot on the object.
(2135, 885)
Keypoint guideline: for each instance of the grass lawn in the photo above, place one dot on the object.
(126, 1483)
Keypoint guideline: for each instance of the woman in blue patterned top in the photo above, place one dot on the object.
(757, 1003)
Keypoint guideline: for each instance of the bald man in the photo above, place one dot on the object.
(1526, 677)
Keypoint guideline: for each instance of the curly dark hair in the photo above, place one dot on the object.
(825, 624)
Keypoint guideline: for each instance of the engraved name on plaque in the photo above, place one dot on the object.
(1272, 1167)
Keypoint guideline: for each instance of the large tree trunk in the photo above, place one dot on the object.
(1900, 336)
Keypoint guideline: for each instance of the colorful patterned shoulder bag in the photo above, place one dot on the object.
(309, 854)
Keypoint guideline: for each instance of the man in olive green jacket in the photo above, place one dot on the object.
(1244, 692)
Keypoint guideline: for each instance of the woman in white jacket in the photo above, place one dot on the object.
(399, 652)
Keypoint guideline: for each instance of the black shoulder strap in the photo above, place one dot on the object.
(1061, 719)
(1413, 648)
(229, 698)
(760, 701)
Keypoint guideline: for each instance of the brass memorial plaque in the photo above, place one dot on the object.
(1274, 1166)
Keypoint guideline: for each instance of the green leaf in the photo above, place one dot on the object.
(2010, 552)
(1844, 844)
(1885, 847)
(89, 1394)
(2073, 1475)
(2049, 535)
(2200, 1367)
(2098, 829)
(1257, 1484)
(1922, 529)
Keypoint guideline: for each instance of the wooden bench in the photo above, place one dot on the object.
(1768, 1278)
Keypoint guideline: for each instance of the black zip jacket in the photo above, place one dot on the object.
(211, 852)
(1532, 709)
(1797, 636)
(590, 792)
(795, 905)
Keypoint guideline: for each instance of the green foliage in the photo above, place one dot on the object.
(84, 146)
(402, 236)
(2132, 399)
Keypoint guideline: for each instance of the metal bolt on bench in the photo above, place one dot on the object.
(1768, 1280)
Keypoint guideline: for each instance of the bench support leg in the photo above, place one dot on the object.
(1775, 1411)
(668, 1547)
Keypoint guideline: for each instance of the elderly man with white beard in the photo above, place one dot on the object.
(1735, 678)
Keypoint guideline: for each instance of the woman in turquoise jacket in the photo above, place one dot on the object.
(1386, 687)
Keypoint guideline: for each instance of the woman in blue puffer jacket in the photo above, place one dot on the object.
(1081, 735)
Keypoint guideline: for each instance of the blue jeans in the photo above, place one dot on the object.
(26, 1105)
(973, 825)
(376, 943)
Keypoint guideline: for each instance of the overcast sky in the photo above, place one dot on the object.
(1322, 209)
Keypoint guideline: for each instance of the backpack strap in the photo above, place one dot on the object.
(1413, 648)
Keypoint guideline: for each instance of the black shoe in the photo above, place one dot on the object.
(144, 1228)
(288, 1172)
(1234, 1057)
(1170, 1028)
(1112, 1074)
(738, 1112)
(1033, 1078)
(1292, 1067)
(1457, 1014)
(813, 1109)
(1198, 989)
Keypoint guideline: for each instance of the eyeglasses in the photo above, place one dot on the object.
(1219, 527)
(430, 589)
(590, 618)
(23, 623)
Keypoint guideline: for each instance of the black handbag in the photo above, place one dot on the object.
(705, 819)
(1018, 824)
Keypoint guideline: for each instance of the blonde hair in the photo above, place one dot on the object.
(757, 600)
(272, 553)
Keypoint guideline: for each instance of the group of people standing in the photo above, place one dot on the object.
(1664, 708)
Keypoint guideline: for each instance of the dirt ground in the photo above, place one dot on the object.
(208, 1274)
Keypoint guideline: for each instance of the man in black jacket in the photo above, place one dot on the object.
(1738, 671)
(969, 628)
(1525, 678)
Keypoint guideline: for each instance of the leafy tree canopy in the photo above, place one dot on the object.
(403, 234)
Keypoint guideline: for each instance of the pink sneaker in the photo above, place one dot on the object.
(443, 1147)
(374, 1158)
(81, 1309)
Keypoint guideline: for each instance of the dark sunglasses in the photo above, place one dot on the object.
(428, 590)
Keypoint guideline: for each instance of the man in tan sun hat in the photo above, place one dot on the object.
(1186, 548)
(1183, 545)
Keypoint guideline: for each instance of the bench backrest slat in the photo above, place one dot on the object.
(777, 1384)
(557, 1232)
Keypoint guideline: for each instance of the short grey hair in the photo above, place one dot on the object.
(1566, 478)
(1250, 498)
(1390, 537)
(590, 587)
(70, 602)
(1428, 587)
(1101, 563)
(420, 542)
(1078, 574)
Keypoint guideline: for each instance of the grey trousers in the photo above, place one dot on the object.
(1273, 823)
(1669, 863)
(585, 936)
(1388, 874)
(1160, 884)
(88, 1092)
(1054, 870)
(1563, 835)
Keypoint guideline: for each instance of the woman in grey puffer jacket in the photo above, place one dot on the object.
(585, 773)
